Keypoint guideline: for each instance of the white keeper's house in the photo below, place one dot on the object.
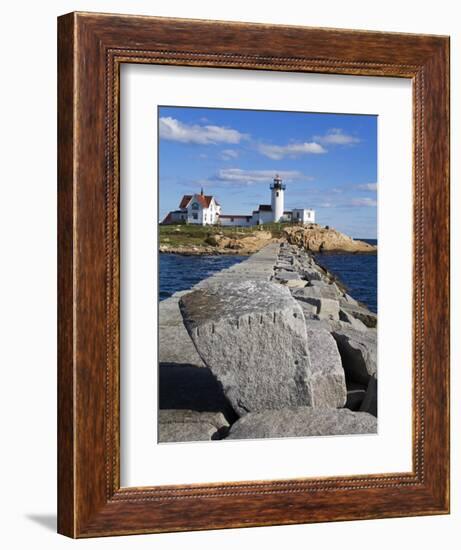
(205, 210)
(198, 209)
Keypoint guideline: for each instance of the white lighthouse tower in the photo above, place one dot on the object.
(278, 202)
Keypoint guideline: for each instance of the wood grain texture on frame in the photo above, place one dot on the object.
(91, 48)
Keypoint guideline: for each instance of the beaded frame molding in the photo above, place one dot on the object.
(91, 48)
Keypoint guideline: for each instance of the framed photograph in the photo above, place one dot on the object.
(253, 275)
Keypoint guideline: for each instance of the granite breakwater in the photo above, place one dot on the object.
(271, 347)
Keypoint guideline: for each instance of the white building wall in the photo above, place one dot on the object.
(309, 216)
(195, 214)
(287, 217)
(303, 215)
(204, 216)
(262, 217)
(214, 211)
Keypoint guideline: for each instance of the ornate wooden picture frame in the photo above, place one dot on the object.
(92, 48)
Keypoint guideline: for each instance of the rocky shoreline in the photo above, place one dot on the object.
(316, 238)
(203, 251)
(271, 347)
(312, 237)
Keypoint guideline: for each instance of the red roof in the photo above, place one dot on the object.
(204, 200)
(168, 219)
(185, 201)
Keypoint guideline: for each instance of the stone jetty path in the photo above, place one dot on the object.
(271, 347)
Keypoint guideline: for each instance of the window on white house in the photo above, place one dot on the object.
(195, 206)
(195, 216)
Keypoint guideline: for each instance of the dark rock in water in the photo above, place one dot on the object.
(252, 336)
(183, 425)
(370, 402)
(302, 421)
(358, 353)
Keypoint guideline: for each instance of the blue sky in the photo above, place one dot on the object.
(328, 162)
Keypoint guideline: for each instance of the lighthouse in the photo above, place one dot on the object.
(277, 203)
(205, 210)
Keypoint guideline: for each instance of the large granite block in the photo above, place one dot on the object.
(283, 276)
(253, 338)
(326, 307)
(309, 292)
(302, 421)
(328, 382)
(367, 317)
(353, 321)
(184, 425)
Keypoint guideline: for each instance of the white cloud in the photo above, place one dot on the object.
(368, 186)
(278, 152)
(363, 202)
(229, 154)
(335, 136)
(174, 130)
(249, 177)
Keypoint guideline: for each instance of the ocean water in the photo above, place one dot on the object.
(180, 272)
(358, 272)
